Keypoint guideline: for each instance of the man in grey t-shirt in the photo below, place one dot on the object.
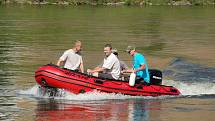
(111, 66)
(71, 59)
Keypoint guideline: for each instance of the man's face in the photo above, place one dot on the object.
(107, 51)
(78, 47)
(131, 52)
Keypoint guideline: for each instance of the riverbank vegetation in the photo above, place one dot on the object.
(114, 2)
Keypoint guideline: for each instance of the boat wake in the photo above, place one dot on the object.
(186, 89)
(189, 78)
(183, 70)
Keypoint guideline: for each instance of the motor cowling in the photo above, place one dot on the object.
(155, 77)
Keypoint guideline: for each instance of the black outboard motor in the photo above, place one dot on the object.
(155, 77)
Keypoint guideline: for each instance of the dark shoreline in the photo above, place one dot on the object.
(113, 2)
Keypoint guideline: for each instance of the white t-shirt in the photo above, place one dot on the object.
(72, 59)
(113, 65)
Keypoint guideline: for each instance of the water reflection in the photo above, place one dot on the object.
(111, 110)
(5, 63)
(8, 110)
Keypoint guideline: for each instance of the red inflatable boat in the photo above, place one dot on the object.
(52, 76)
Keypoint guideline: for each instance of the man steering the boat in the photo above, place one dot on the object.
(140, 66)
(72, 59)
(111, 65)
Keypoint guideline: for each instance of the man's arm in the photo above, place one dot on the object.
(142, 67)
(97, 69)
(62, 59)
(82, 67)
(60, 63)
(127, 71)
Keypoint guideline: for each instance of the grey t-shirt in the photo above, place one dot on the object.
(123, 65)
(72, 59)
(112, 64)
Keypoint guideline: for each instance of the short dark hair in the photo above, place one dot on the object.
(108, 45)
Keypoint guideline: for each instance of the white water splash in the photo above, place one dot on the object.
(34, 91)
(95, 95)
(192, 88)
(184, 88)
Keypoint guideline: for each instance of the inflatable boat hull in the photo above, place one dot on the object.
(75, 82)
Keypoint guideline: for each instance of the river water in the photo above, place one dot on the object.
(179, 41)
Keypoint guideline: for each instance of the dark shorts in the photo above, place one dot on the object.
(105, 76)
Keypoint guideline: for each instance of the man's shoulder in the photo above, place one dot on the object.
(71, 51)
(112, 57)
(139, 55)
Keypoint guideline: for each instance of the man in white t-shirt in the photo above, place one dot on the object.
(72, 59)
(111, 66)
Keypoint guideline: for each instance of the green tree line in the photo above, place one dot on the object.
(114, 2)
